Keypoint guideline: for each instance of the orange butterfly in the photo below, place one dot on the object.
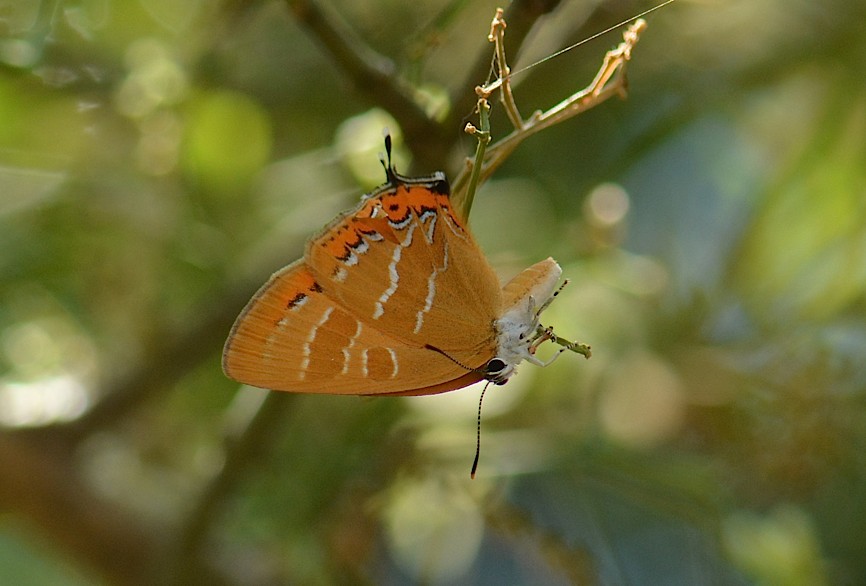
(393, 297)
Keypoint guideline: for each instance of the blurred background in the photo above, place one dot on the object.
(158, 160)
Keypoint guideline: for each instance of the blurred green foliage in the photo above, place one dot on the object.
(159, 159)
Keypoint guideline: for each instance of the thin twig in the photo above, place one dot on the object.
(483, 136)
(497, 37)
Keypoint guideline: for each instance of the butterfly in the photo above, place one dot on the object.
(393, 297)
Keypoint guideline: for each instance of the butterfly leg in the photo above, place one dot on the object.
(545, 334)
(541, 335)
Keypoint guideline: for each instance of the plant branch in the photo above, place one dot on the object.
(243, 448)
(46, 490)
(371, 73)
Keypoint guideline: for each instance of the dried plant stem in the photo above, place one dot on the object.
(610, 81)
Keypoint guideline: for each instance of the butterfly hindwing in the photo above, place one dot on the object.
(293, 337)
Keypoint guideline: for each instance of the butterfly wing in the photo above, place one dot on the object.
(406, 265)
(293, 337)
(537, 281)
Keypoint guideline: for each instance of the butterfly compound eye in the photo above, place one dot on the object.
(495, 365)
(494, 371)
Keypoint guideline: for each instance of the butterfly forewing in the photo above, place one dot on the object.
(405, 264)
(293, 337)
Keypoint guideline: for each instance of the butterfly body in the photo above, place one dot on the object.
(393, 297)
